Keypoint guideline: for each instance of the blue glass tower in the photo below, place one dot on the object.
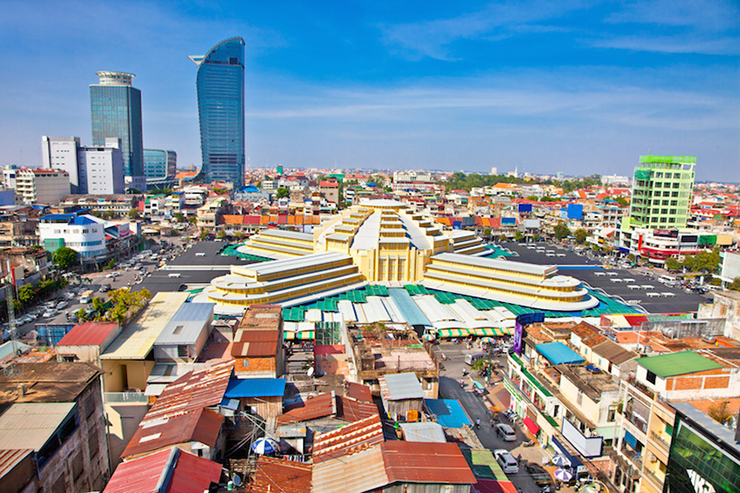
(220, 87)
(115, 106)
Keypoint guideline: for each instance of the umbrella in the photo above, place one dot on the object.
(563, 475)
(560, 461)
(265, 446)
(428, 337)
(487, 340)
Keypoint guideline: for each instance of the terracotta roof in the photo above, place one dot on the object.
(359, 392)
(348, 439)
(179, 471)
(193, 391)
(318, 406)
(281, 475)
(88, 334)
(417, 462)
(202, 426)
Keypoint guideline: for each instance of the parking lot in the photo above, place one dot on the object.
(631, 285)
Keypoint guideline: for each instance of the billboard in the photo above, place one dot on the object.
(666, 233)
(587, 447)
(575, 211)
(532, 224)
(508, 221)
(522, 321)
(525, 208)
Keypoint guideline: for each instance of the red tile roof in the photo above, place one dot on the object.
(180, 471)
(202, 426)
(281, 475)
(193, 391)
(417, 462)
(318, 406)
(88, 334)
(348, 439)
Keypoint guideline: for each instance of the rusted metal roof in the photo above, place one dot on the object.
(254, 349)
(360, 470)
(202, 426)
(315, 407)
(281, 475)
(613, 352)
(47, 382)
(584, 330)
(193, 391)
(256, 335)
(88, 334)
(267, 316)
(174, 470)
(359, 392)
(351, 410)
(415, 462)
(9, 459)
(347, 439)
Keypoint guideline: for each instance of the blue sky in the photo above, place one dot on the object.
(578, 87)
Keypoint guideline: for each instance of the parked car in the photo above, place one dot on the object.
(506, 432)
(540, 476)
(49, 313)
(105, 288)
(506, 461)
(62, 305)
(113, 275)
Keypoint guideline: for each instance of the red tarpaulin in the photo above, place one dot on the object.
(531, 425)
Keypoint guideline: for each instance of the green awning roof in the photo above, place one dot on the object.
(669, 365)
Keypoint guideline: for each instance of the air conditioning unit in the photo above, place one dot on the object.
(652, 457)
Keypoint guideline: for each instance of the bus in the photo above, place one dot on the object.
(86, 297)
(472, 358)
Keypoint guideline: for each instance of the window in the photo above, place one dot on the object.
(650, 377)
(77, 466)
(182, 351)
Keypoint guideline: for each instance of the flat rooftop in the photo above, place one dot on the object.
(47, 382)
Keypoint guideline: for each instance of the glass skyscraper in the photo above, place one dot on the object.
(160, 164)
(220, 87)
(115, 106)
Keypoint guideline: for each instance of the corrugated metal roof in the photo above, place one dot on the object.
(255, 387)
(613, 352)
(423, 432)
(30, 425)
(180, 471)
(88, 334)
(281, 475)
(413, 462)
(186, 324)
(402, 386)
(194, 390)
(10, 458)
(352, 410)
(314, 407)
(449, 412)
(347, 439)
(359, 392)
(558, 353)
(669, 365)
(201, 426)
(137, 340)
(362, 470)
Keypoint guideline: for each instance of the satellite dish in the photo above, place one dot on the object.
(310, 372)
(236, 480)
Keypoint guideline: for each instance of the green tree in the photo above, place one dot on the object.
(519, 236)
(581, 235)
(82, 315)
(283, 192)
(533, 198)
(65, 258)
(561, 231)
(179, 217)
(734, 285)
(672, 264)
(111, 264)
(26, 294)
(221, 235)
(203, 234)
(622, 201)
(720, 412)
(486, 232)
(134, 213)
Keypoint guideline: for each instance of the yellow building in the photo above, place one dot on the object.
(385, 241)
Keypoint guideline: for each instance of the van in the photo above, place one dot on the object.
(472, 358)
(667, 280)
(86, 297)
(175, 276)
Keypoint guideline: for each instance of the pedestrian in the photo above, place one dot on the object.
(477, 423)
(519, 458)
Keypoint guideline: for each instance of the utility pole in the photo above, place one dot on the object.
(9, 302)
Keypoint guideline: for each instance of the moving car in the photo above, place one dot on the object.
(113, 275)
(506, 432)
(506, 461)
(105, 288)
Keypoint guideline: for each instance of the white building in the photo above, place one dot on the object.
(41, 186)
(94, 170)
(84, 234)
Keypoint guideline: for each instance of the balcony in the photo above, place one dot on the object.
(638, 421)
(655, 481)
(634, 457)
(662, 441)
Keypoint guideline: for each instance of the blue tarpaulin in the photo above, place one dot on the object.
(630, 439)
(558, 353)
(449, 412)
(255, 387)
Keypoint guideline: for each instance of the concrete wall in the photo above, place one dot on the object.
(124, 419)
(121, 375)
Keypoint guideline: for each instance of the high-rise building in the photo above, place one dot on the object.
(220, 87)
(116, 112)
(661, 192)
(160, 165)
(95, 170)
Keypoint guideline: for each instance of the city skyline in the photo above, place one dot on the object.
(540, 87)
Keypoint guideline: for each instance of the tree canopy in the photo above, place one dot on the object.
(65, 258)
(561, 231)
(581, 235)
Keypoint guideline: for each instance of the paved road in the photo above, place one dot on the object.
(477, 407)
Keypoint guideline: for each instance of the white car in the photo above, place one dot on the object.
(506, 461)
(113, 275)
(506, 432)
(49, 313)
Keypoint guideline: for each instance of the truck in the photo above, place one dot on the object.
(86, 296)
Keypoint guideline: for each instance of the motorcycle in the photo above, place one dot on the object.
(462, 383)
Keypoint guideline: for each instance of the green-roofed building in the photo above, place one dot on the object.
(673, 364)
